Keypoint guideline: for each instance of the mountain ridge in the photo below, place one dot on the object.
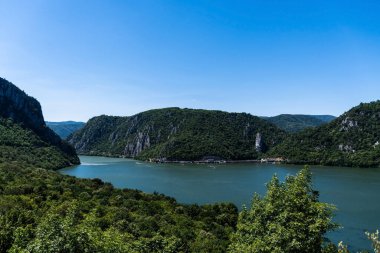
(178, 134)
(293, 123)
(25, 135)
(65, 128)
(352, 139)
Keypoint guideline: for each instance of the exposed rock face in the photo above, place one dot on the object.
(26, 111)
(258, 143)
(346, 148)
(141, 142)
(99, 127)
(348, 123)
(15, 104)
(178, 134)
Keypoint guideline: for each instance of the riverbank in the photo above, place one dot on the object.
(277, 160)
(352, 190)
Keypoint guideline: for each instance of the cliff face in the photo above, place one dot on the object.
(25, 112)
(177, 134)
(15, 104)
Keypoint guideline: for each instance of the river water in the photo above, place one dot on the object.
(354, 191)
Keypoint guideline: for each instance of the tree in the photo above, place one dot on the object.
(289, 218)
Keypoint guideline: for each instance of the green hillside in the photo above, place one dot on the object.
(296, 122)
(24, 137)
(350, 140)
(24, 147)
(43, 211)
(178, 134)
(65, 128)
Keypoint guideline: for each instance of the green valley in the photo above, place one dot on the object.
(65, 128)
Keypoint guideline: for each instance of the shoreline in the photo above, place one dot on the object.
(277, 160)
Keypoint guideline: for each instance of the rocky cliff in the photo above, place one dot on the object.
(21, 114)
(15, 104)
(178, 134)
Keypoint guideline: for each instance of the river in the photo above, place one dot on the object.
(354, 191)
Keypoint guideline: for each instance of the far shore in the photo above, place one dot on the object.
(277, 160)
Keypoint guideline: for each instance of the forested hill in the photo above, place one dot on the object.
(178, 134)
(24, 137)
(350, 140)
(43, 211)
(297, 122)
(65, 128)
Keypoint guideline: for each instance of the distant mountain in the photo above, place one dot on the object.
(178, 134)
(24, 137)
(296, 122)
(65, 128)
(325, 118)
(353, 139)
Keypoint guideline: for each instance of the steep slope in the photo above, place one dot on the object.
(44, 211)
(178, 134)
(297, 122)
(350, 140)
(65, 128)
(24, 137)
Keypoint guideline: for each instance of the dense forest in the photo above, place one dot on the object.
(351, 140)
(293, 123)
(185, 134)
(42, 211)
(64, 128)
(24, 147)
(178, 134)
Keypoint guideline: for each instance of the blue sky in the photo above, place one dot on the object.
(84, 58)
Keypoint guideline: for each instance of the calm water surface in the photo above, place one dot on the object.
(354, 191)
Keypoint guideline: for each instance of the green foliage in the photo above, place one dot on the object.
(64, 129)
(23, 146)
(374, 237)
(43, 211)
(343, 248)
(24, 137)
(288, 219)
(351, 140)
(295, 122)
(177, 134)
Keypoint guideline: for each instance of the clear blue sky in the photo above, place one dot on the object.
(83, 58)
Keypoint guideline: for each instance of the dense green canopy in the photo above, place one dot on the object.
(353, 139)
(178, 134)
(289, 219)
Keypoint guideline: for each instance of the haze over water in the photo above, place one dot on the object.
(353, 190)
